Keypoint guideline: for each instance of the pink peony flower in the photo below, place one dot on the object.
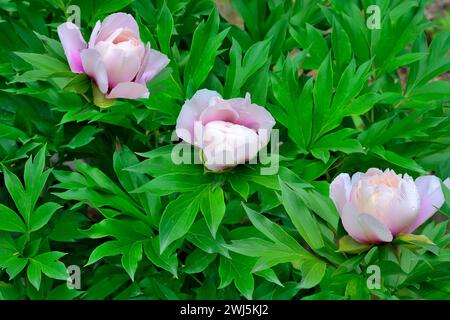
(229, 132)
(115, 57)
(376, 206)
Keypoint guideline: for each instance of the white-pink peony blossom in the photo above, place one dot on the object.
(229, 132)
(115, 57)
(376, 206)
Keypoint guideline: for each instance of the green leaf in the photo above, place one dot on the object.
(240, 186)
(204, 49)
(416, 242)
(103, 289)
(130, 180)
(198, 261)
(213, 208)
(42, 215)
(340, 42)
(34, 274)
(445, 186)
(165, 28)
(436, 90)
(166, 260)
(50, 266)
(301, 217)
(336, 141)
(131, 258)
(320, 204)
(125, 229)
(348, 245)
(233, 79)
(256, 247)
(277, 34)
(83, 137)
(361, 104)
(107, 249)
(14, 265)
(43, 62)
(437, 61)
(356, 288)
(351, 83)
(35, 178)
(273, 231)
(238, 74)
(67, 227)
(78, 84)
(201, 237)
(350, 264)
(285, 88)
(255, 57)
(323, 88)
(258, 85)
(269, 275)
(237, 269)
(300, 129)
(99, 98)
(10, 221)
(106, 6)
(251, 13)
(161, 164)
(312, 273)
(17, 193)
(177, 218)
(397, 159)
(173, 182)
(32, 76)
(62, 292)
(11, 133)
(311, 40)
(404, 60)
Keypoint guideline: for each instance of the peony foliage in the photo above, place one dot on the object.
(239, 149)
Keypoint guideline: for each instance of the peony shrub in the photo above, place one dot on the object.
(230, 150)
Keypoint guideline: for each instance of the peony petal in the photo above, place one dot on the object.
(116, 21)
(95, 68)
(363, 227)
(94, 34)
(216, 167)
(153, 62)
(373, 172)
(122, 61)
(340, 189)
(225, 144)
(219, 112)
(191, 111)
(251, 115)
(128, 90)
(431, 199)
(73, 43)
(403, 212)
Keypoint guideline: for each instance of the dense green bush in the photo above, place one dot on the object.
(97, 188)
